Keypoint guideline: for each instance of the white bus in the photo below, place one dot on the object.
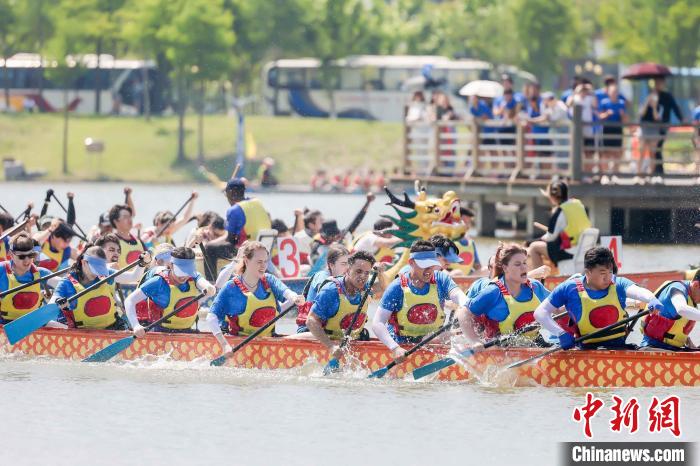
(120, 85)
(367, 86)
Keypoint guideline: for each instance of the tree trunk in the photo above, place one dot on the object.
(180, 121)
(98, 106)
(6, 81)
(200, 127)
(65, 131)
(146, 92)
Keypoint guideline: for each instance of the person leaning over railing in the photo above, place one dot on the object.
(611, 109)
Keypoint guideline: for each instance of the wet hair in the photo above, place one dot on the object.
(466, 211)
(115, 211)
(63, 231)
(422, 246)
(335, 252)
(383, 224)
(205, 218)
(246, 251)
(217, 222)
(280, 226)
(310, 217)
(361, 256)
(443, 242)
(90, 250)
(107, 238)
(23, 243)
(182, 253)
(504, 253)
(6, 220)
(162, 217)
(599, 256)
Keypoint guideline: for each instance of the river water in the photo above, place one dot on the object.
(166, 412)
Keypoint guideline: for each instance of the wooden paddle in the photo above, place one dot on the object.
(222, 359)
(105, 354)
(26, 212)
(583, 338)
(379, 373)
(207, 266)
(334, 365)
(441, 364)
(14, 229)
(33, 282)
(84, 235)
(28, 323)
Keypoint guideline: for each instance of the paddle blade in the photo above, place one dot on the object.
(218, 361)
(20, 328)
(105, 354)
(332, 366)
(378, 374)
(437, 366)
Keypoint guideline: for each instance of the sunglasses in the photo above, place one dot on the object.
(21, 257)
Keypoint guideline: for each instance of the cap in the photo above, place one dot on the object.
(183, 267)
(98, 265)
(330, 228)
(449, 255)
(425, 259)
(235, 184)
(547, 95)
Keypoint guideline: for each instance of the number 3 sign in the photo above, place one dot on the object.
(288, 257)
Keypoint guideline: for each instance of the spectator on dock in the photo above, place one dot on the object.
(575, 82)
(611, 109)
(417, 110)
(667, 106)
(583, 96)
(506, 108)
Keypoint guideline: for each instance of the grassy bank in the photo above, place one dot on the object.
(137, 150)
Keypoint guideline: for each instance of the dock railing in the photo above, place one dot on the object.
(581, 151)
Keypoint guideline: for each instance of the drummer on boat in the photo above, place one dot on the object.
(251, 298)
(507, 302)
(670, 327)
(334, 306)
(166, 290)
(96, 309)
(18, 270)
(593, 301)
(413, 304)
(569, 219)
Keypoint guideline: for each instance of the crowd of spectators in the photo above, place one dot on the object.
(348, 180)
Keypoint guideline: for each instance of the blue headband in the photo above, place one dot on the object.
(423, 255)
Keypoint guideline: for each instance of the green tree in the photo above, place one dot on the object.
(35, 25)
(201, 55)
(9, 40)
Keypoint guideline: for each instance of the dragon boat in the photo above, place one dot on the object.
(562, 369)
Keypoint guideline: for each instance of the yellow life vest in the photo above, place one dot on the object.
(673, 332)
(15, 305)
(258, 311)
(185, 318)
(50, 259)
(467, 252)
(131, 249)
(96, 308)
(599, 313)
(382, 254)
(256, 217)
(576, 219)
(4, 245)
(420, 314)
(336, 325)
(520, 313)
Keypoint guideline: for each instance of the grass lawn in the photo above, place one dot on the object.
(137, 150)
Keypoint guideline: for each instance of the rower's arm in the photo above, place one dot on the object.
(178, 223)
(466, 323)
(130, 306)
(684, 310)
(640, 294)
(131, 276)
(559, 226)
(381, 318)
(213, 323)
(543, 315)
(313, 323)
(225, 275)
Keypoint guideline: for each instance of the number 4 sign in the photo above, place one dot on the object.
(614, 243)
(288, 257)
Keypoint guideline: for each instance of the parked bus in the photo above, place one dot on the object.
(365, 86)
(120, 83)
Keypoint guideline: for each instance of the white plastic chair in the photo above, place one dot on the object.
(587, 240)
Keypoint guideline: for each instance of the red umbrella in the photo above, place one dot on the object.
(646, 71)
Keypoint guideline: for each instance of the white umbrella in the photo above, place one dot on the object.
(487, 89)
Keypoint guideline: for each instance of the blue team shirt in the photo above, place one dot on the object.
(669, 311)
(26, 278)
(392, 299)
(489, 301)
(483, 110)
(696, 114)
(477, 286)
(500, 101)
(232, 302)
(158, 290)
(316, 281)
(602, 93)
(565, 294)
(235, 219)
(65, 289)
(327, 300)
(618, 108)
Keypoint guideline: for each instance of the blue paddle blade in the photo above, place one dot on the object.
(105, 354)
(20, 328)
(218, 361)
(379, 373)
(437, 366)
(332, 366)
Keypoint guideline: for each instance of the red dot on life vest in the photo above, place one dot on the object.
(262, 316)
(603, 316)
(359, 323)
(188, 311)
(25, 300)
(524, 319)
(422, 314)
(50, 264)
(466, 257)
(97, 306)
(133, 256)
